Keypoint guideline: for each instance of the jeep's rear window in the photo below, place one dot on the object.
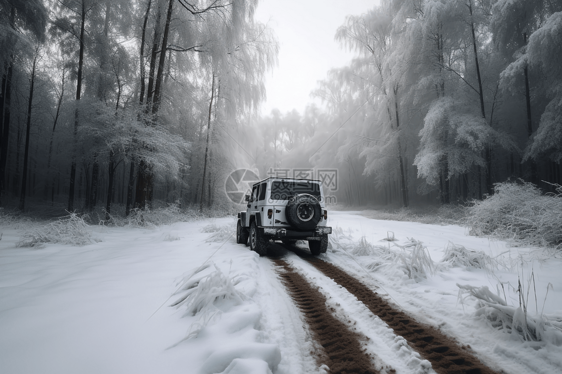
(283, 190)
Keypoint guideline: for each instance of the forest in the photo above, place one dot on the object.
(121, 105)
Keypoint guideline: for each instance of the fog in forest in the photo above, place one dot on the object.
(109, 106)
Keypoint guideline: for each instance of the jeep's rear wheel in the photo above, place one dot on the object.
(241, 234)
(258, 242)
(318, 246)
(303, 212)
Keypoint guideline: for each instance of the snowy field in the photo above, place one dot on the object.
(106, 307)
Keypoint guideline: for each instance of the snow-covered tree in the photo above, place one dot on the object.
(543, 52)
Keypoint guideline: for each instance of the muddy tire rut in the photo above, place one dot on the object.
(343, 352)
(445, 355)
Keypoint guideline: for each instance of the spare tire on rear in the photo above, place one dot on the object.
(303, 212)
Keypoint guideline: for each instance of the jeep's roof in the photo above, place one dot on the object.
(287, 179)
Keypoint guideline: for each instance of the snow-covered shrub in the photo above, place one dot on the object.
(136, 218)
(414, 260)
(13, 219)
(512, 320)
(457, 255)
(161, 216)
(164, 215)
(449, 214)
(71, 229)
(6, 218)
(519, 211)
(203, 293)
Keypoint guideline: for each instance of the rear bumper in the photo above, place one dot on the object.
(283, 233)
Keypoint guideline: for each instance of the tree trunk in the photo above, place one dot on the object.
(86, 186)
(93, 195)
(141, 190)
(144, 177)
(141, 178)
(528, 96)
(4, 143)
(207, 146)
(534, 178)
(403, 186)
(33, 174)
(130, 188)
(479, 171)
(103, 57)
(5, 109)
(154, 55)
(480, 91)
(161, 63)
(16, 178)
(28, 127)
(487, 153)
(120, 194)
(76, 117)
(209, 189)
(465, 187)
(59, 105)
(110, 189)
(143, 40)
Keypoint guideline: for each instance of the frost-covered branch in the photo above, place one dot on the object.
(194, 10)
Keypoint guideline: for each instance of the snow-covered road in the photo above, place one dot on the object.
(105, 307)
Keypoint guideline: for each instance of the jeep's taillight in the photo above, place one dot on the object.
(269, 213)
(325, 214)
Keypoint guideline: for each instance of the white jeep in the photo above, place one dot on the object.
(287, 210)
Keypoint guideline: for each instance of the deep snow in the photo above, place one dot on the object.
(105, 307)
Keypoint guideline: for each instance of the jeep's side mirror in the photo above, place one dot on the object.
(247, 198)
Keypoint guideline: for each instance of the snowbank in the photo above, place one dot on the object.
(103, 307)
(514, 337)
(227, 320)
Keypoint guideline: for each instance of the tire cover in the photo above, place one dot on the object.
(303, 212)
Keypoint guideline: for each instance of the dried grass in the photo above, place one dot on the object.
(458, 255)
(414, 260)
(515, 321)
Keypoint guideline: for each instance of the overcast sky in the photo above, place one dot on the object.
(305, 30)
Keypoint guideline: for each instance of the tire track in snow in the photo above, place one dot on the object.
(285, 325)
(445, 355)
(343, 352)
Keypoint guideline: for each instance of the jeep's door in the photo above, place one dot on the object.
(253, 204)
(263, 206)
